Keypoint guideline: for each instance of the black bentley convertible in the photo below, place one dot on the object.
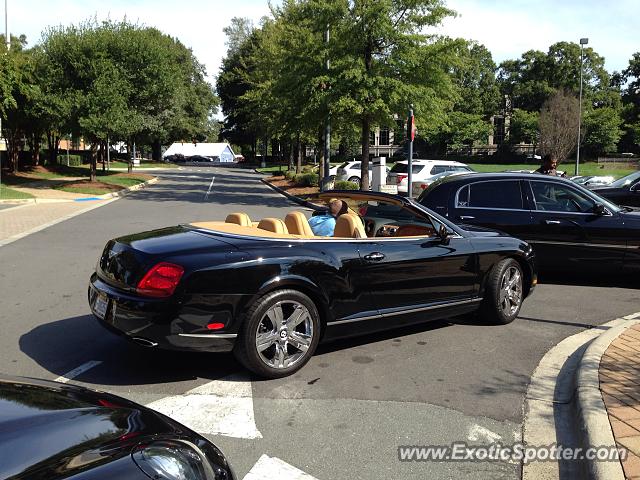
(271, 290)
(51, 430)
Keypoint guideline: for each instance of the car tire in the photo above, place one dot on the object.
(267, 345)
(355, 180)
(503, 293)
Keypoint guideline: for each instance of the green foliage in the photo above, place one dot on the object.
(602, 130)
(344, 185)
(290, 174)
(306, 179)
(466, 129)
(524, 127)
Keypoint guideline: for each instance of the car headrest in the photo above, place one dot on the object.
(349, 226)
(274, 225)
(298, 224)
(239, 218)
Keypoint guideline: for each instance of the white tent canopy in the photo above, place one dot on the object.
(220, 150)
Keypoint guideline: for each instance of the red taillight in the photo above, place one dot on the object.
(400, 178)
(424, 185)
(215, 326)
(161, 280)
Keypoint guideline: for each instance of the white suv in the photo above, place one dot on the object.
(350, 171)
(421, 170)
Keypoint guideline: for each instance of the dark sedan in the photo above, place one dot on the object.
(270, 290)
(51, 431)
(624, 191)
(570, 227)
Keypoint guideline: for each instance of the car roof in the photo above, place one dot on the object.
(463, 177)
(425, 161)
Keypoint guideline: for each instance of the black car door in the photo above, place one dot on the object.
(497, 204)
(416, 268)
(568, 233)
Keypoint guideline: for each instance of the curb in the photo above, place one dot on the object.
(126, 191)
(592, 413)
(293, 198)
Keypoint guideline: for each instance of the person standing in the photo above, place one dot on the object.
(549, 167)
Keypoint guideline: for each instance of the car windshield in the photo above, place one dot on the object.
(404, 168)
(624, 181)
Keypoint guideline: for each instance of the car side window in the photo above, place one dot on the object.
(560, 198)
(438, 169)
(491, 194)
(355, 166)
(383, 219)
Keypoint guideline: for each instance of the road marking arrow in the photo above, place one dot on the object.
(268, 468)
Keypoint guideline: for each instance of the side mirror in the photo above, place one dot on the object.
(443, 233)
(599, 210)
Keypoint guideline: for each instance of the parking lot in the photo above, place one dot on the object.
(345, 414)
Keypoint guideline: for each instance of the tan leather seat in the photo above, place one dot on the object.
(274, 225)
(349, 226)
(298, 224)
(239, 218)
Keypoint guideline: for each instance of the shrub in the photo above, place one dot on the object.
(344, 185)
(290, 174)
(306, 179)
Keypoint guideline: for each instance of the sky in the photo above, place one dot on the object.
(506, 28)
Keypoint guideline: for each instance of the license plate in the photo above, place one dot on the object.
(100, 305)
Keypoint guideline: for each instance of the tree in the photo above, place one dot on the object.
(602, 130)
(466, 129)
(524, 127)
(559, 125)
(382, 61)
(631, 102)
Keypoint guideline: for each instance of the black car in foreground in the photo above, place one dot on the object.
(570, 227)
(270, 291)
(624, 191)
(50, 431)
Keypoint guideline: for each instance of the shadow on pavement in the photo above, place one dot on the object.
(63, 345)
(621, 280)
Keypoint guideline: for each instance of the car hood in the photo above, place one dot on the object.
(48, 425)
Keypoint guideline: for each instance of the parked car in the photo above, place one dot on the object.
(351, 172)
(271, 291)
(570, 227)
(421, 171)
(624, 191)
(51, 430)
(593, 180)
(420, 185)
(200, 159)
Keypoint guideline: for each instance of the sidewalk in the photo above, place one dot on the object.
(620, 386)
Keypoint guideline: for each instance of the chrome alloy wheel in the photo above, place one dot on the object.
(510, 291)
(284, 334)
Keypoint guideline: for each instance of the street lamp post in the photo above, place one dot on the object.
(583, 42)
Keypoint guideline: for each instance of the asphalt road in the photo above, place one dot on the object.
(346, 412)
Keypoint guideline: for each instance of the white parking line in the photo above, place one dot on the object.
(221, 407)
(78, 371)
(268, 468)
(478, 433)
(210, 187)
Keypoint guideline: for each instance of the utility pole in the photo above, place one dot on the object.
(410, 135)
(583, 42)
(327, 125)
(7, 37)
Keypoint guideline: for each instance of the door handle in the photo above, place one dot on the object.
(374, 257)
(552, 222)
(466, 217)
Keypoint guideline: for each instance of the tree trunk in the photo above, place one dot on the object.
(94, 160)
(298, 156)
(12, 138)
(156, 150)
(291, 155)
(34, 146)
(364, 166)
(321, 150)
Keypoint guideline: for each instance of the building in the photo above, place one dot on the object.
(217, 151)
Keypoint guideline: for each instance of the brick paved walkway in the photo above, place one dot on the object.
(620, 386)
(21, 219)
